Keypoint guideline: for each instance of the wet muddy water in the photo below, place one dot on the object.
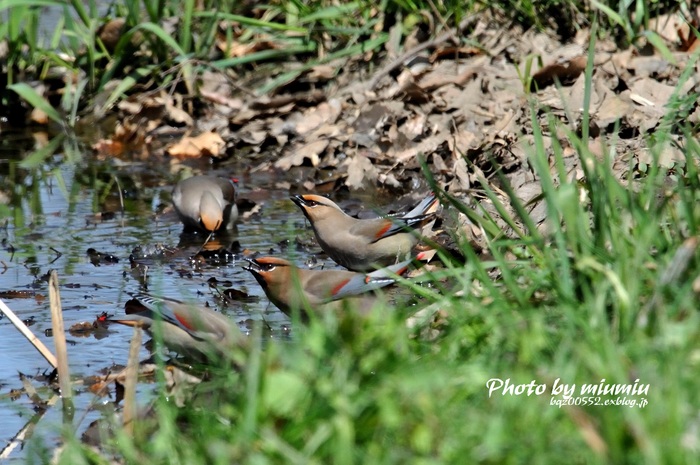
(52, 230)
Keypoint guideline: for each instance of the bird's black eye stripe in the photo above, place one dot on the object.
(311, 203)
(265, 266)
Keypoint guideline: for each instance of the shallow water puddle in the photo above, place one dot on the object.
(52, 231)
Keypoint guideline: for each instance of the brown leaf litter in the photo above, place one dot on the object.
(463, 111)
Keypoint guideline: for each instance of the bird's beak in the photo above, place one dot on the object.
(299, 200)
(254, 267)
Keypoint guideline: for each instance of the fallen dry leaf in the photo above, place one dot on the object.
(453, 52)
(446, 73)
(612, 109)
(562, 72)
(108, 148)
(652, 92)
(320, 73)
(253, 133)
(128, 138)
(461, 181)
(205, 144)
(361, 172)
(175, 113)
(299, 153)
(281, 102)
(325, 113)
(39, 117)
(427, 145)
(414, 126)
(130, 105)
(110, 32)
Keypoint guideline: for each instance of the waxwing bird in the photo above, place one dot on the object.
(185, 328)
(289, 287)
(206, 203)
(364, 244)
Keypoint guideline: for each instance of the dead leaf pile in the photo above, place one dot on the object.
(464, 111)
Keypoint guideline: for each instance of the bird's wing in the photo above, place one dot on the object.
(398, 225)
(426, 206)
(228, 188)
(380, 228)
(185, 316)
(373, 229)
(360, 283)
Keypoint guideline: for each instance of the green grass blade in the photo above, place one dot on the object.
(354, 50)
(610, 13)
(588, 87)
(126, 84)
(339, 13)
(519, 208)
(263, 55)
(37, 158)
(79, 8)
(252, 22)
(37, 101)
(160, 33)
(185, 32)
(660, 45)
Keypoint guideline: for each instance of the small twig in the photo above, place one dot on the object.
(449, 31)
(121, 196)
(59, 337)
(211, 234)
(19, 324)
(31, 392)
(58, 255)
(269, 328)
(131, 377)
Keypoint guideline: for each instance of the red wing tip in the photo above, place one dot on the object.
(383, 230)
(184, 322)
(426, 255)
(337, 288)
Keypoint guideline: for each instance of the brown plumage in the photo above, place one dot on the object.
(290, 287)
(185, 328)
(364, 244)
